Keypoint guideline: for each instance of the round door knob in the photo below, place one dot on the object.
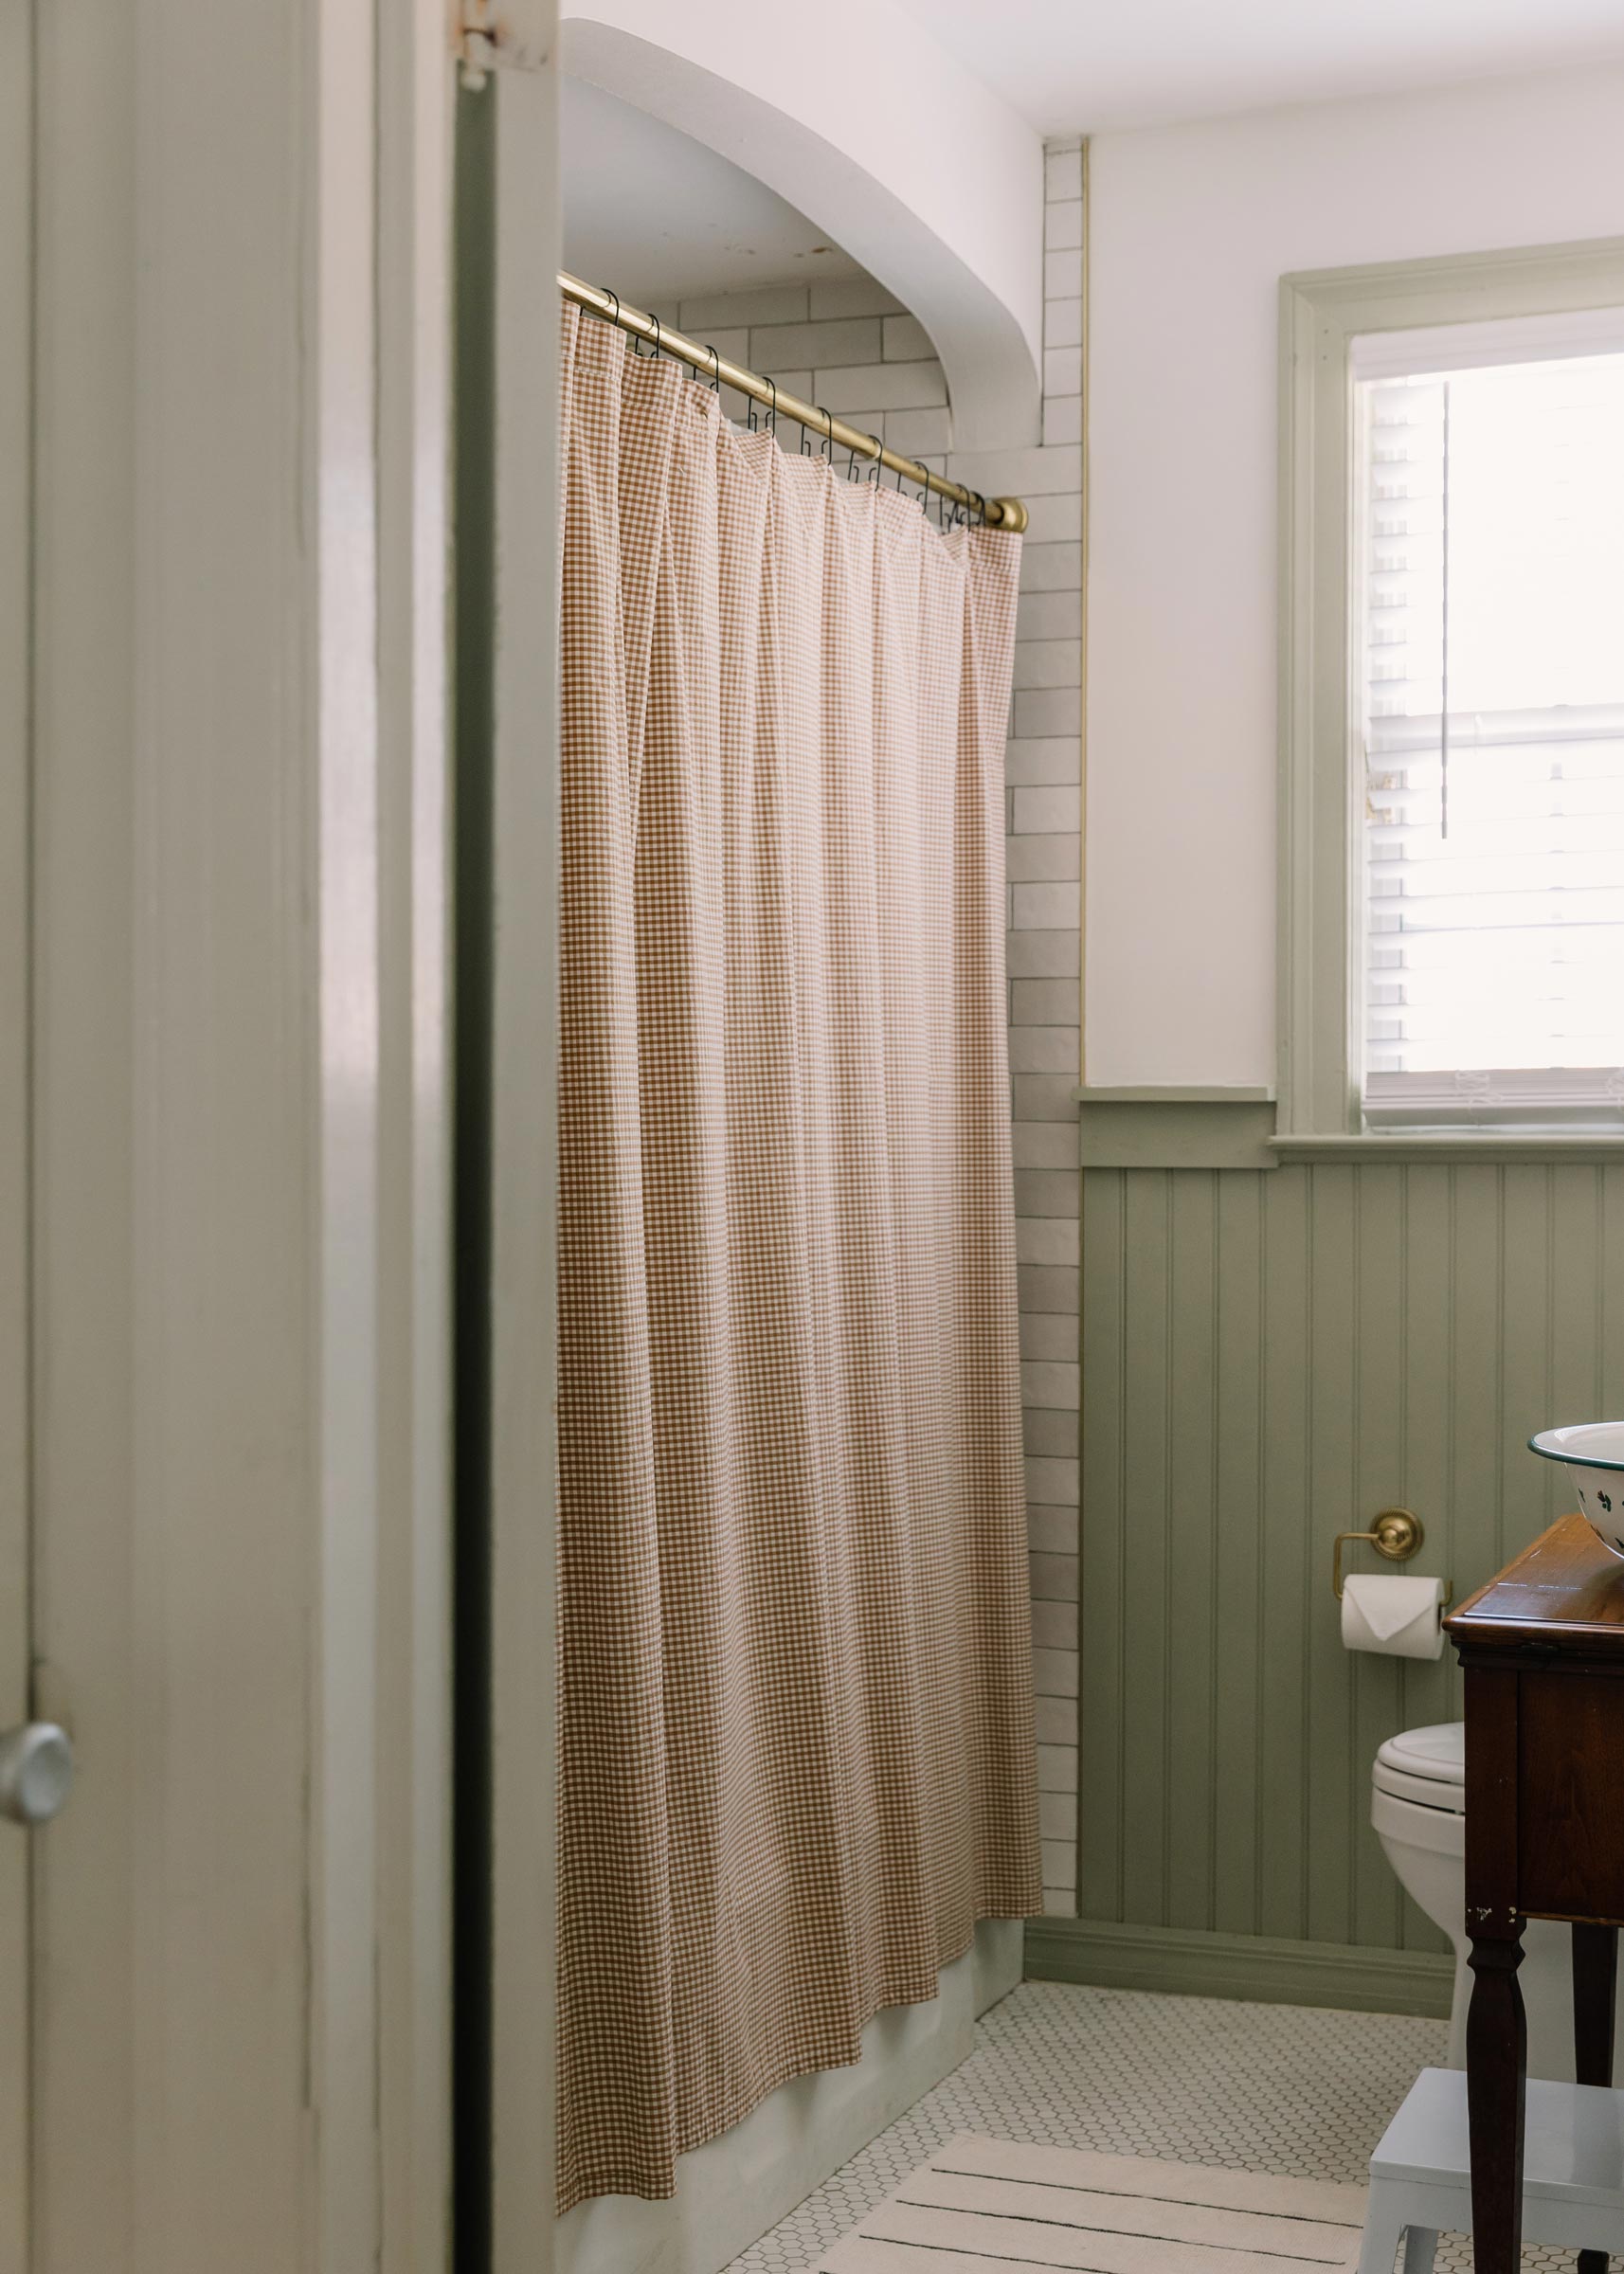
(36, 1769)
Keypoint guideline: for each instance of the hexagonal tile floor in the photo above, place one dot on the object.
(1289, 2089)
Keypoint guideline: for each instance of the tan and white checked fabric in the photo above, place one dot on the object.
(796, 1710)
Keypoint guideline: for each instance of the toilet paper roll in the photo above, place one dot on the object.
(1396, 1618)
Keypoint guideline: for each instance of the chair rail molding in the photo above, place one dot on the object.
(1174, 1125)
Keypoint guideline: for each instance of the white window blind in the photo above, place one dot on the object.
(1489, 655)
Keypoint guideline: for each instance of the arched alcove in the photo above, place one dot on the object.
(859, 123)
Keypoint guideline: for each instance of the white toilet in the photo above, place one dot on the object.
(1417, 1806)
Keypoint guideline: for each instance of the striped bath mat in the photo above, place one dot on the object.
(990, 2207)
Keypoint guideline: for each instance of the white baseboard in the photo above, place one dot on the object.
(735, 2187)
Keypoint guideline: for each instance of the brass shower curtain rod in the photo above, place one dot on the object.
(999, 513)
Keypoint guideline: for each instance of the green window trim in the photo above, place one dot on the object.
(1319, 841)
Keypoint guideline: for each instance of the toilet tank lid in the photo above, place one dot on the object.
(1437, 1753)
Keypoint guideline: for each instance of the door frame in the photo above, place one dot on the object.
(509, 248)
(524, 1170)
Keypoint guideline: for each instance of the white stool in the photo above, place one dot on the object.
(1420, 2177)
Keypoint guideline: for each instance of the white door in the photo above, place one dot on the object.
(14, 574)
(224, 1520)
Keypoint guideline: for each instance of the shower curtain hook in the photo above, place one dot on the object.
(828, 432)
(655, 321)
(716, 368)
(877, 469)
(772, 414)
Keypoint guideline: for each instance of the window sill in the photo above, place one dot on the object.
(1370, 1146)
(1169, 1127)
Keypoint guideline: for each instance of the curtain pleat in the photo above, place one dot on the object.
(796, 1708)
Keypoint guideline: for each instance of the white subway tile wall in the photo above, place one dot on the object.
(851, 346)
(1043, 771)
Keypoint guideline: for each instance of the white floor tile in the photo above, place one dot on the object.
(1285, 2089)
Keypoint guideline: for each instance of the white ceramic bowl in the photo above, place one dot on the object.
(1594, 1451)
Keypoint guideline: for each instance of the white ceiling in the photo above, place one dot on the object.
(658, 216)
(1079, 66)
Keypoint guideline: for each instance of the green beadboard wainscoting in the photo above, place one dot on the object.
(1270, 1355)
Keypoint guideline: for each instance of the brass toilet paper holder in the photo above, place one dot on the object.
(1398, 1534)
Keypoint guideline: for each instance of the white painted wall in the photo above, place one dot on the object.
(1191, 229)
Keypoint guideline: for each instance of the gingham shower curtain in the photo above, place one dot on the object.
(795, 1702)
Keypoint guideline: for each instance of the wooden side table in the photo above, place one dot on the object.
(1543, 1647)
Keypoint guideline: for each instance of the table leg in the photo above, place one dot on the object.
(1496, 2068)
(1594, 1988)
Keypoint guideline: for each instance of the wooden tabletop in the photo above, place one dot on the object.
(1564, 1595)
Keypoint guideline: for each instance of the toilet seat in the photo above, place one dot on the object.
(1426, 1767)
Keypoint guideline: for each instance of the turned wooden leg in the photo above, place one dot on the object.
(1496, 2066)
(1594, 1988)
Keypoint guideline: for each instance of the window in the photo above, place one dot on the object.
(1488, 595)
(1451, 701)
